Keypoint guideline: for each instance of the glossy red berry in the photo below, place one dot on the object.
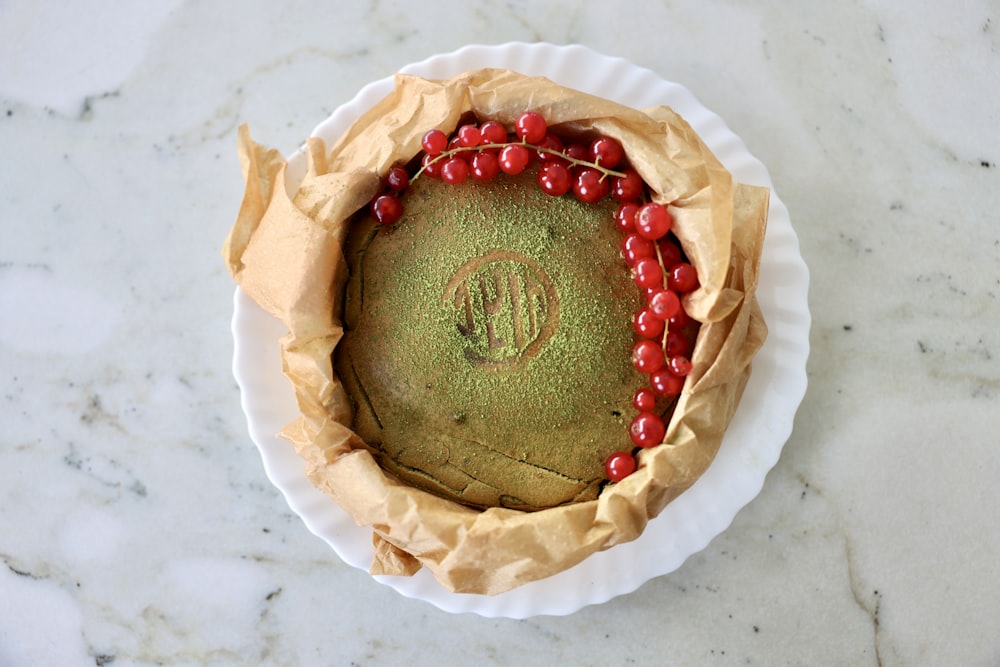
(664, 383)
(634, 248)
(625, 218)
(492, 132)
(682, 277)
(644, 400)
(677, 344)
(434, 142)
(647, 429)
(554, 178)
(469, 136)
(432, 165)
(646, 273)
(386, 209)
(627, 188)
(652, 221)
(606, 152)
(680, 320)
(589, 185)
(454, 170)
(531, 127)
(484, 166)
(679, 365)
(619, 465)
(576, 152)
(670, 253)
(397, 178)
(552, 143)
(454, 144)
(664, 303)
(514, 159)
(647, 324)
(647, 356)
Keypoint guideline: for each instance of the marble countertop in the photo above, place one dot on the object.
(137, 526)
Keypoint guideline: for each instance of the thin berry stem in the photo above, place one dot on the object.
(663, 269)
(541, 149)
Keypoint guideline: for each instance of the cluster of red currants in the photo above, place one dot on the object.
(663, 350)
(591, 171)
(481, 152)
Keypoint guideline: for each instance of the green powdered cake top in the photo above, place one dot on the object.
(489, 339)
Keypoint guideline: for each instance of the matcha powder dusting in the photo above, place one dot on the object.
(488, 342)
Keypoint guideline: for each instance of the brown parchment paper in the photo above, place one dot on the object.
(285, 252)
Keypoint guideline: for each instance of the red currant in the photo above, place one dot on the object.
(554, 178)
(625, 218)
(432, 165)
(680, 320)
(530, 127)
(606, 152)
(627, 188)
(514, 159)
(589, 185)
(454, 144)
(665, 383)
(386, 209)
(683, 277)
(397, 178)
(619, 465)
(670, 253)
(647, 273)
(493, 132)
(644, 400)
(647, 356)
(664, 304)
(647, 429)
(647, 324)
(469, 136)
(454, 170)
(679, 365)
(677, 344)
(484, 166)
(576, 152)
(434, 142)
(652, 221)
(634, 248)
(553, 143)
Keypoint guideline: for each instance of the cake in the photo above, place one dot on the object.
(488, 342)
(479, 376)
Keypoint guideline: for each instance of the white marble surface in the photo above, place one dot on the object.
(136, 524)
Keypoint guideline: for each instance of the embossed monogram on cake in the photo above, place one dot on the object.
(506, 308)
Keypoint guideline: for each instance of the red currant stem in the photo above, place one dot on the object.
(541, 149)
(663, 269)
(584, 163)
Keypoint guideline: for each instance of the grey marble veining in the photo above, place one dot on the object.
(136, 524)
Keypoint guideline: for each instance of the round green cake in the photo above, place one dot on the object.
(487, 345)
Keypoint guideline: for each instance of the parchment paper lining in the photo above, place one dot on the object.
(285, 252)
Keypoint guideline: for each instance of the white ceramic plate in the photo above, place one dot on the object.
(752, 444)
